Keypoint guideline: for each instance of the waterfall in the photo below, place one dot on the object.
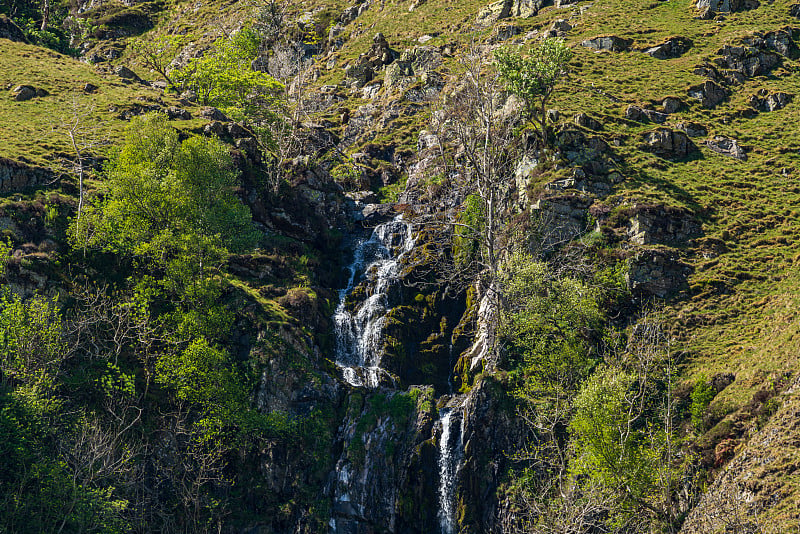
(358, 332)
(451, 449)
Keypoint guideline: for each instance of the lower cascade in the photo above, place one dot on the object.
(358, 331)
(451, 448)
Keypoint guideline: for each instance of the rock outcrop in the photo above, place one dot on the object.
(509, 8)
(766, 101)
(727, 147)
(10, 31)
(610, 43)
(15, 176)
(709, 93)
(670, 48)
(668, 143)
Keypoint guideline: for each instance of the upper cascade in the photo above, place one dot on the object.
(358, 330)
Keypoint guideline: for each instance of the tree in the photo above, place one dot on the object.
(158, 53)
(622, 429)
(165, 199)
(533, 78)
(224, 78)
(477, 148)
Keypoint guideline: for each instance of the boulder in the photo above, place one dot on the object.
(639, 114)
(213, 114)
(692, 129)
(21, 93)
(610, 43)
(727, 147)
(10, 31)
(668, 143)
(709, 93)
(670, 48)
(90, 88)
(585, 121)
(794, 10)
(215, 128)
(176, 113)
(125, 73)
(766, 101)
(671, 104)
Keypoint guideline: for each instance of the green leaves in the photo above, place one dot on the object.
(533, 78)
(536, 75)
(224, 78)
(548, 323)
(167, 199)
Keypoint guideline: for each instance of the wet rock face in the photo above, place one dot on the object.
(490, 429)
(383, 440)
(610, 43)
(668, 143)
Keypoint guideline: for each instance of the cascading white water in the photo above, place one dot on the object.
(358, 332)
(450, 451)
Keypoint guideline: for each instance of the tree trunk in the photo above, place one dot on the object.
(45, 14)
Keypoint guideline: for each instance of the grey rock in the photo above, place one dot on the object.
(509, 8)
(15, 176)
(794, 10)
(692, 129)
(656, 272)
(561, 25)
(585, 121)
(176, 113)
(668, 143)
(708, 8)
(10, 31)
(766, 101)
(21, 93)
(662, 225)
(709, 93)
(125, 73)
(249, 146)
(237, 131)
(727, 147)
(90, 88)
(671, 48)
(215, 128)
(213, 114)
(671, 104)
(610, 43)
(188, 96)
(639, 114)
